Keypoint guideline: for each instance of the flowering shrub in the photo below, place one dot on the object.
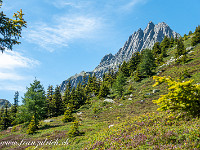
(182, 96)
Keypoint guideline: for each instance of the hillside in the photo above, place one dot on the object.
(128, 122)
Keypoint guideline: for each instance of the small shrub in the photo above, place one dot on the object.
(74, 129)
(32, 127)
(14, 129)
(68, 117)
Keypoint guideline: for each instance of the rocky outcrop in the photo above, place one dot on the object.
(136, 42)
(3, 103)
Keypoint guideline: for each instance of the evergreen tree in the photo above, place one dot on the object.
(180, 50)
(134, 62)
(119, 84)
(10, 29)
(164, 45)
(67, 94)
(196, 37)
(5, 119)
(104, 90)
(80, 95)
(156, 49)
(147, 63)
(171, 41)
(68, 117)
(49, 99)
(124, 69)
(33, 103)
(33, 126)
(57, 102)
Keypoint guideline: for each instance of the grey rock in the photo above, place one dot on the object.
(189, 48)
(120, 104)
(49, 120)
(142, 101)
(109, 100)
(3, 103)
(131, 95)
(79, 113)
(130, 99)
(156, 90)
(110, 125)
(148, 94)
(136, 42)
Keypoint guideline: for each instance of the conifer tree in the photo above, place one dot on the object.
(80, 95)
(124, 69)
(104, 90)
(164, 45)
(5, 119)
(180, 50)
(10, 29)
(156, 49)
(171, 41)
(57, 102)
(68, 117)
(119, 84)
(67, 94)
(134, 62)
(33, 103)
(49, 99)
(147, 63)
(33, 126)
(196, 37)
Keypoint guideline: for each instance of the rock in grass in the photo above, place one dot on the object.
(156, 91)
(49, 120)
(109, 100)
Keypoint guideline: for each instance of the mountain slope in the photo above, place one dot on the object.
(136, 42)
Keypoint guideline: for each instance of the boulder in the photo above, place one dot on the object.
(109, 100)
(156, 91)
(130, 99)
(49, 120)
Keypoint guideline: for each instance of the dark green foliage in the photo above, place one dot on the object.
(124, 69)
(66, 96)
(68, 117)
(156, 49)
(147, 63)
(164, 45)
(10, 29)
(137, 75)
(49, 99)
(180, 50)
(57, 102)
(171, 41)
(5, 121)
(190, 33)
(196, 37)
(157, 53)
(104, 91)
(134, 62)
(34, 103)
(74, 129)
(119, 84)
(32, 127)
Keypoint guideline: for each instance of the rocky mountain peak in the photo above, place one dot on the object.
(136, 42)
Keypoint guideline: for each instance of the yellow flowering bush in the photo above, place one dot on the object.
(182, 96)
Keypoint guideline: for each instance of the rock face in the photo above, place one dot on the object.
(3, 102)
(136, 42)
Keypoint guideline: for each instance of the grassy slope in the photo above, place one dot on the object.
(135, 124)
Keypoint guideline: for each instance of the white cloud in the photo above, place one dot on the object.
(11, 61)
(51, 36)
(131, 4)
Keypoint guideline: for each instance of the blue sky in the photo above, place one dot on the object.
(65, 37)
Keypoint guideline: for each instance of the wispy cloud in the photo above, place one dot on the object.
(59, 35)
(11, 61)
(132, 3)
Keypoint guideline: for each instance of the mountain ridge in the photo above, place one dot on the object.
(136, 42)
